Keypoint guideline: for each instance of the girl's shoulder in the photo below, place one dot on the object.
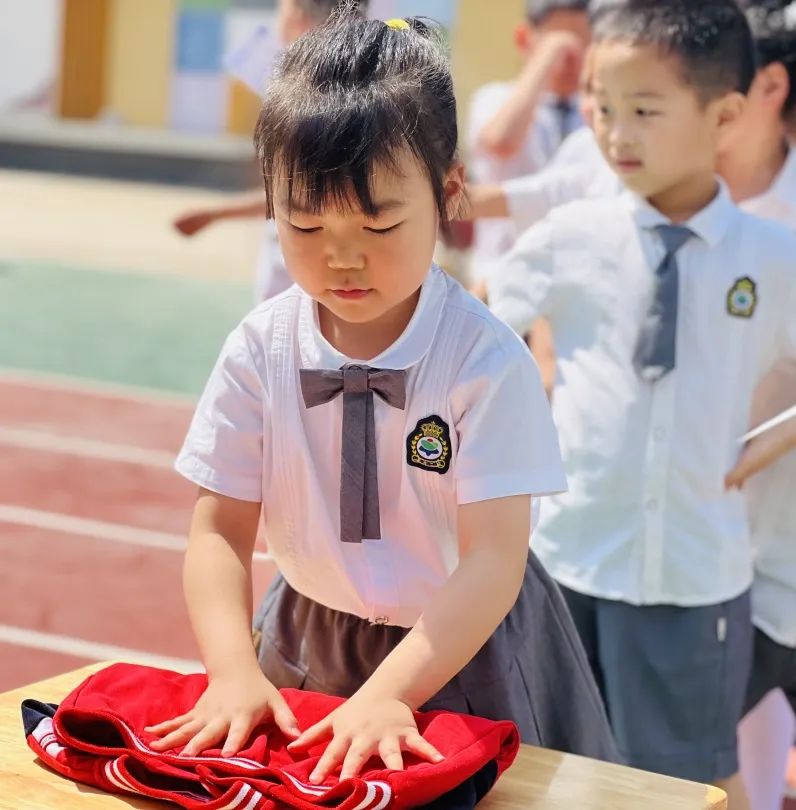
(476, 332)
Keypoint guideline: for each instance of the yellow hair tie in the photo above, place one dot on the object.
(398, 24)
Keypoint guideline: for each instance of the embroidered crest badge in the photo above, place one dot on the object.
(742, 298)
(428, 446)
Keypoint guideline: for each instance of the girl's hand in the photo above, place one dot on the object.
(361, 728)
(228, 710)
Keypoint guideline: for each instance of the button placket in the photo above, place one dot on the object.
(656, 468)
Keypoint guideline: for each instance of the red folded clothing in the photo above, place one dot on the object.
(97, 736)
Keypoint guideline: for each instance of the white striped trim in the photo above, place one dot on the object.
(254, 801)
(53, 748)
(116, 779)
(370, 795)
(386, 798)
(99, 530)
(84, 385)
(36, 640)
(44, 734)
(86, 448)
(312, 790)
(240, 796)
(117, 769)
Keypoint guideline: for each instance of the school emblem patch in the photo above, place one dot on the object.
(428, 446)
(742, 298)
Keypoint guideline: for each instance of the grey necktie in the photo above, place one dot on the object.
(563, 109)
(655, 351)
(359, 485)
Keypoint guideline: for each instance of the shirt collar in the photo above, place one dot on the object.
(782, 190)
(407, 351)
(710, 224)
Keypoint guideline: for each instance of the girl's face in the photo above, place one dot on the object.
(361, 268)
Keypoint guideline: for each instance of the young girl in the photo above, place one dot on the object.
(391, 432)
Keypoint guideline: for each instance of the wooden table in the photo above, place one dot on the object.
(538, 780)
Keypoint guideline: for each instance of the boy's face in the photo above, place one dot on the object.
(362, 268)
(650, 124)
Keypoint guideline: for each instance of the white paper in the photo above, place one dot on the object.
(790, 413)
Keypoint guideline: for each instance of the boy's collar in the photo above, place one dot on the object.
(710, 224)
(407, 351)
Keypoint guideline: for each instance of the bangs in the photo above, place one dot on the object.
(327, 158)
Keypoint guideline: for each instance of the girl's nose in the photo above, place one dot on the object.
(345, 255)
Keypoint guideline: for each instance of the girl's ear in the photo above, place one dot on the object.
(454, 191)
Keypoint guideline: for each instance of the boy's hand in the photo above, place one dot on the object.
(189, 224)
(228, 710)
(561, 47)
(361, 728)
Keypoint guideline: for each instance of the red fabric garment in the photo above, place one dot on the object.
(97, 736)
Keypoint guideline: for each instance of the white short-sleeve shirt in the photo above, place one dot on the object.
(252, 438)
(549, 128)
(770, 493)
(647, 518)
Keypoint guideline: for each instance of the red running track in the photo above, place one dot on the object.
(80, 575)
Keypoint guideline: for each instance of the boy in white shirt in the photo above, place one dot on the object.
(668, 305)
(516, 127)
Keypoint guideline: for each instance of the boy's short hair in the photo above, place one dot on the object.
(537, 11)
(319, 10)
(710, 38)
(773, 24)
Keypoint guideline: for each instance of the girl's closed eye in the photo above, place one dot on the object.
(304, 230)
(382, 231)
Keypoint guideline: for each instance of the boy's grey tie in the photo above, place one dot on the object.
(359, 486)
(655, 351)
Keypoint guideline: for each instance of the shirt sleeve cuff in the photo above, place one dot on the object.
(199, 473)
(541, 482)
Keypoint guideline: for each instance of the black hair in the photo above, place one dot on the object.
(711, 39)
(773, 24)
(537, 11)
(352, 95)
(320, 9)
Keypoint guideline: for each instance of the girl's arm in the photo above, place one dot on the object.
(217, 580)
(493, 548)
(218, 591)
(493, 540)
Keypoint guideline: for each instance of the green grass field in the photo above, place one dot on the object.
(157, 331)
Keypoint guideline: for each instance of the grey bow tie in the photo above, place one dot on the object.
(656, 348)
(359, 486)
